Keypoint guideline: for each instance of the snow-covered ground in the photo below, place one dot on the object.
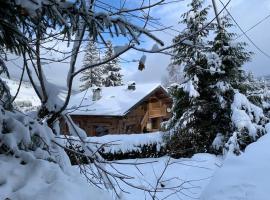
(183, 179)
(26, 96)
(204, 176)
(43, 180)
(244, 177)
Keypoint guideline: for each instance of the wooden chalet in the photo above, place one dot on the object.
(122, 109)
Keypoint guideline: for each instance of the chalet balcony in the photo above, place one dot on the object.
(156, 109)
(157, 113)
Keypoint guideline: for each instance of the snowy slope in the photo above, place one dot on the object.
(27, 99)
(26, 96)
(244, 177)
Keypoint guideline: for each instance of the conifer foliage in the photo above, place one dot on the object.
(107, 75)
(187, 124)
(92, 77)
(211, 112)
(112, 75)
(242, 120)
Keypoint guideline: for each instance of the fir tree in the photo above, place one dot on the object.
(94, 76)
(233, 54)
(233, 90)
(189, 121)
(211, 101)
(112, 75)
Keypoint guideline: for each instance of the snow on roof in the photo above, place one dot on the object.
(115, 101)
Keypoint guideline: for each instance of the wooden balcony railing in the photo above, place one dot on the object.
(160, 112)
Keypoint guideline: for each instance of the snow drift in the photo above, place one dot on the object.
(243, 177)
(43, 180)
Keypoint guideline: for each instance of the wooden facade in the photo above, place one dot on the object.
(145, 116)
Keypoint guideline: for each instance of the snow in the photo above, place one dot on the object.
(241, 100)
(43, 180)
(191, 15)
(246, 114)
(54, 94)
(27, 100)
(188, 87)
(243, 177)
(214, 62)
(125, 142)
(223, 86)
(189, 176)
(115, 101)
(26, 96)
(218, 141)
(34, 166)
(188, 42)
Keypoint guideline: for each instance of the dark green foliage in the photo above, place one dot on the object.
(233, 55)
(181, 101)
(91, 77)
(214, 70)
(5, 96)
(192, 111)
(11, 37)
(143, 151)
(112, 74)
(185, 145)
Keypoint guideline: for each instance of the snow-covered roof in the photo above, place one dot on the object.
(115, 101)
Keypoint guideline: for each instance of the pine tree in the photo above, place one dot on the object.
(112, 75)
(210, 105)
(233, 54)
(244, 122)
(188, 122)
(92, 77)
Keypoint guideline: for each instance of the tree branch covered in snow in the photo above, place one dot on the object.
(48, 22)
(33, 29)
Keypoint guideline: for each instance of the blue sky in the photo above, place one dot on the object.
(246, 12)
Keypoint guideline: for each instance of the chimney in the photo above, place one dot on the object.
(96, 94)
(131, 85)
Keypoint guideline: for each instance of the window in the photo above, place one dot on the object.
(101, 130)
(155, 123)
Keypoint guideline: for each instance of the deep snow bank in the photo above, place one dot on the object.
(43, 180)
(243, 177)
(120, 142)
(128, 142)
